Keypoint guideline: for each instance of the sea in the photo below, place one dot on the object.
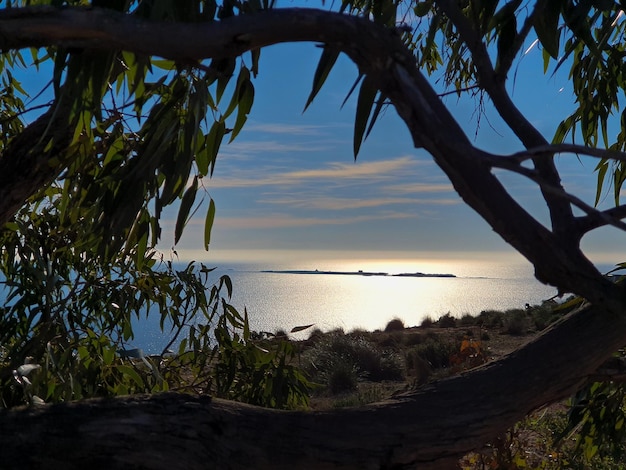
(286, 290)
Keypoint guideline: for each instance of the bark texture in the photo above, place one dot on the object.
(426, 428)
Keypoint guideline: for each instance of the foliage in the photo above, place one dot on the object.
(435, 351)
(339, 361)
(446, 321)
(516, 322)
(490, 319)
(597, 414)
(257, 373)
(394, 325)
(69, 320)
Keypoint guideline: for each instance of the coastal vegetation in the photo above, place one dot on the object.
(351, 369)
(143, 94)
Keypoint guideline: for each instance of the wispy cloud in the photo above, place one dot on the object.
(372, 171)
(419, 188)
(330, 203)
(270, 146)
(282, 221)
(291, 129)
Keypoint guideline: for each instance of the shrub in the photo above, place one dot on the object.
(412, 338)
(542, 317)
(363, 396)
(490, 319)
(427, 322)
(516, 322)
(435, 352)
(342, 377)
(391, 340)
(394, 325)
(467, 320)
(316, 334)
(346, 352)
(446, 321)
(280, 334)
(417, 367)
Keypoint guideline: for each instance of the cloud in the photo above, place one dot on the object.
(371, 171)
(291, 129)
(330, 203)
(243, 149)
(273, 221)
(418, 188)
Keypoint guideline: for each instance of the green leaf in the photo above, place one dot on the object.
(422, 8)
(255, 54)
(296, 329)
(367, 96)
(246, 98)
(352, 88)
(546, 23)
(223, 69)
(213, 143)
(243, 77)
(379, 106)
(208, 224)
(185, 207)
(164, 64)
(132, 373)
(506, 39)
(504, 14)
(324, 66)
(601, 168)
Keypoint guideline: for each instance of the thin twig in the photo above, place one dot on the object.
(551, 149)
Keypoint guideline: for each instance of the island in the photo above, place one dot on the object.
(356, 273)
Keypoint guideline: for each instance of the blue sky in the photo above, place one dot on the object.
(289, 180)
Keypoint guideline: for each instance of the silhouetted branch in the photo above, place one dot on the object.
(549, 150)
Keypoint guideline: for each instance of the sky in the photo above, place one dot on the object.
(289, 181)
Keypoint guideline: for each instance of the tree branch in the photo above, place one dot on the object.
(551, 149)
(561, 213)
(596, 219)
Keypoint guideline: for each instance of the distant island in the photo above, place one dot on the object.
(357, 273)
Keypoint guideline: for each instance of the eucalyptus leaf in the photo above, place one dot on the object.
(367, 96)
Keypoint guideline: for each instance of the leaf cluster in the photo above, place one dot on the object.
(70, 318)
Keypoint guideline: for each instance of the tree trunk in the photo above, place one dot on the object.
(426, 428)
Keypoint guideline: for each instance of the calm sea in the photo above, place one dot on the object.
(284, 300)
(277, 300)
